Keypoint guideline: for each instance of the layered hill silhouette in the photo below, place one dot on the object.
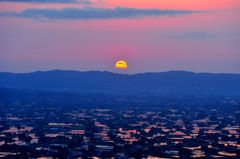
(96, 80)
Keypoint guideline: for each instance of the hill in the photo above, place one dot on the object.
(172, 81)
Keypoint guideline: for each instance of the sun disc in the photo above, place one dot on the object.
(121, 64)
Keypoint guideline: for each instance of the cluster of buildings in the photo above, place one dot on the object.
(119, 126)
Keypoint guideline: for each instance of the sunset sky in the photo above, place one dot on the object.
(150, 35)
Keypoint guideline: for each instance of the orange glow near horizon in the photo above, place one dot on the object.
(121, 64)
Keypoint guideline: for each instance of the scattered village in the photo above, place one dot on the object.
(102, 125)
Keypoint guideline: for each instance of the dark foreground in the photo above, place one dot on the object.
(37, 124)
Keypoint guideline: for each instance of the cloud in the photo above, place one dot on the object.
(196, 35)
(93, 13)
(50, 1)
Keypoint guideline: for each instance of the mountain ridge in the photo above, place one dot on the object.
(171, 71)
(104, 80)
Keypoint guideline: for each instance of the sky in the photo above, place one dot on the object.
(150, 35)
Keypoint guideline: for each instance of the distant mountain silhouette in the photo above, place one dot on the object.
(107, 81)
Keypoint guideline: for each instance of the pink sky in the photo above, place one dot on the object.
(206, 40)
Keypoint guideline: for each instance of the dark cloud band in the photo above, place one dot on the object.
(49, 1)
(94, 13)
(198, 35)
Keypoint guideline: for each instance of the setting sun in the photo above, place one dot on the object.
(121, 64)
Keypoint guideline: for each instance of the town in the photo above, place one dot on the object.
(48, 124)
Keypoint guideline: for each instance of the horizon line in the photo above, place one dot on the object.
(118, 73)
